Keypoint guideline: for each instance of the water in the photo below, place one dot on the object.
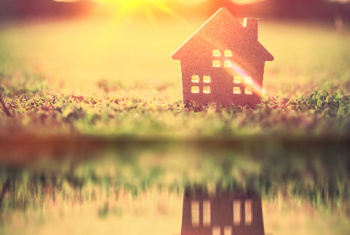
(126, 187)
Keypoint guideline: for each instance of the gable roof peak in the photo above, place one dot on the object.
(222, 10)
(223, 28)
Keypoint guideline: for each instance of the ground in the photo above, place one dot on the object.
(95, 138)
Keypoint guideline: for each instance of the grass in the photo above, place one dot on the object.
(96, 137)
(112, 84)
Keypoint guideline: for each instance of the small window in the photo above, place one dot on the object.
(227, 63)
(216, 53)
(195, 89)
(228, 53)
(236, 212)
(216, 230)
(248, 80)
(236, 90)
(195, 78)
(248, 91)
(248, 212)
(206, 79)
(195, 213)
(206, 89)
(206, 213)
(228, 230)
(216, 63)
(236, 79)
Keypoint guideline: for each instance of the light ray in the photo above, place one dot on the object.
(237, 69)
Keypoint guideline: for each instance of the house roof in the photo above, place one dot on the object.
(223, 31)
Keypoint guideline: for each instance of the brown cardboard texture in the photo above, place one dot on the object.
(223, 62)
(223, 213)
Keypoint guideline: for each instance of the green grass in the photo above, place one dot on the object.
(112, 84)
(98, 139)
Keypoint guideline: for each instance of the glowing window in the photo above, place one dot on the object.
(228, 53)
(195, 213)
(236, 90)
(216, 53)
(228, 230)
(206, 213)
(216, 230)
(216, 63)
(236, 212)
(237, 79)
(248, 212)
(195, 78)
(206, 79)
(248, 91)
(195, 89)
(227, 63)
(248, 80)
(206, 89)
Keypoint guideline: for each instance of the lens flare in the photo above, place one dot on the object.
(237, 69)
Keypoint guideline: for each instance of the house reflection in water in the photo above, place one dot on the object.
(222, 213)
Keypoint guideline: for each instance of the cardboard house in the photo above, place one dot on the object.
(223, 62)
(224, 213)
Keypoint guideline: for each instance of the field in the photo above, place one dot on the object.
(95, 139)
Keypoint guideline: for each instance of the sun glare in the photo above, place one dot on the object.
(129, 7)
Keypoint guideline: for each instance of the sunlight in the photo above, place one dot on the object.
(242, 2)
(235, 69)
(129, 7)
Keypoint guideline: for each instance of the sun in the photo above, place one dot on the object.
(129, 7)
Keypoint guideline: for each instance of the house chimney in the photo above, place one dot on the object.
(251, 26)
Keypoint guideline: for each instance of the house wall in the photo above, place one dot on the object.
(221, 85)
